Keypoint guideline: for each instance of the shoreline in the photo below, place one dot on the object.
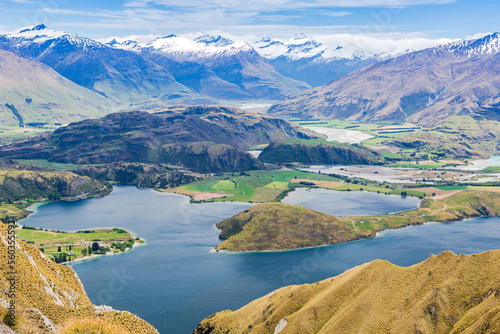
(376, 234)
(96, 256)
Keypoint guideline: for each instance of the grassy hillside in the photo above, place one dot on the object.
(459, 136)
(274, 226)
(34, 94)
(280, 227)
(445, 294)
(49, 296)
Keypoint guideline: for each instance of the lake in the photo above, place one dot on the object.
(481, 164)
(176, 280)
(350, 203)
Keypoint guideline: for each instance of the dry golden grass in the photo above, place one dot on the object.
(276, 226)
(90, 326)
(445, 294)
(49, 294)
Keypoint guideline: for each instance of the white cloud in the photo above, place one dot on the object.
(273, 5)
(22, 1)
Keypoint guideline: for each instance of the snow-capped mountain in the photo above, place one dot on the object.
(487, 45)
(41, 34)
(216, 66)
(426, 87)
(124, 76)
(304, 58)
(184, 49)
(296, 48)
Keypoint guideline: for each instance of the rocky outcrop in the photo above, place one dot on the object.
(167, 136)
(140, 175)
(322, 153)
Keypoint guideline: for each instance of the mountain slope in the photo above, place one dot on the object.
(121, 75)
(423, 87)
(33, 94)
(217, 67)
(50, 297)
(206, 139)
(445, 294)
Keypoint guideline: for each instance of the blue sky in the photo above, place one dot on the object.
(276, 18)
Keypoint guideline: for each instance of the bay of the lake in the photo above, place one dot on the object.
(175, 280)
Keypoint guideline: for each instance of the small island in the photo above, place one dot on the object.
(278, 226)
(64, 246)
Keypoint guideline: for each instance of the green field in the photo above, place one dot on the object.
(271, 185)
(255, 186)
(225, 186)
(204, 185)
(74, 245)
(278, 185)
(452, 187)
(484, 188)
(41, 238)
(48, 164)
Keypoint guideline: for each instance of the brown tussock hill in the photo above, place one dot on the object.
(445, 294)
(277, 226)
(50, 297)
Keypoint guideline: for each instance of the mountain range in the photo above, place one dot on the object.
(169, 70)
(216, 66)
(304, 58)
(424, 87)
(121, 76)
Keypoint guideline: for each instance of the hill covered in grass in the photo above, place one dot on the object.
(203, 139)
(50, 297)
(318, 152)
(33, 94)
(275, 226)
(272, 226)
(445, 294)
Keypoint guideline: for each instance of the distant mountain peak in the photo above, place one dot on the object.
(35, 28)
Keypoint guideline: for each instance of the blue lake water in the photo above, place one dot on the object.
(174, 281)
(350, 203)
